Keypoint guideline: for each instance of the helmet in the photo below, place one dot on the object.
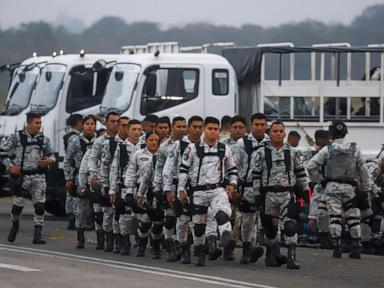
(338, 128)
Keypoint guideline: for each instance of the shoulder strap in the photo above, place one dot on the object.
(221, 152)
(143, 145)
(287, 162)
(23, 141)
(66, 138)
(123, 160)
(83, 146)
(183, 146)
(154, 159)
(248, 146)
(268, 161)
(200, 154)
(112, 146)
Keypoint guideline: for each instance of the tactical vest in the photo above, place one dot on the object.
(39, 141)
(341, 166)
(66, 138)
(201, 154)
(287, 162)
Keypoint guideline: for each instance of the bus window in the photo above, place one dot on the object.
(306, 108)
(335, 108)
(277, 107)
(365, 109)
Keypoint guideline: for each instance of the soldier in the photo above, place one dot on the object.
(149, 124)
(293, 138)
(163, 128)
(133, 178)
(77, 146)
(99, 166)
(206, 163)
(277, 169)
(117, 191)
(170, 181)
(343, 166)
(33, 154)
(179, 129)
(250, 202)
(225, 128)
(74, 122)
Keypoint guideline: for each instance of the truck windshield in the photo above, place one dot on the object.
(21, 89)
(120, 87)
(48, 88)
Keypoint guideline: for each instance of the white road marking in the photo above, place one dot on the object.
(136, 267)
(19, 268)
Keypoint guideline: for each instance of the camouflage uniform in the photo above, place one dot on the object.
(248, 205)
(276, 172)
(33, 178)
(343, 167)
(77, 146)
(207, 176)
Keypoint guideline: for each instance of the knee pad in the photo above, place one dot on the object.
(169, 222)
(157, 229)
(376, 225)
(39, 209)
(200, 210)
(270, 230)
(144, 227)
(221, 218)
(99, 218)
(290, 228)
(16, 210)
(199, 229)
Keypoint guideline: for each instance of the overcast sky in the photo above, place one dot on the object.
(180, 12)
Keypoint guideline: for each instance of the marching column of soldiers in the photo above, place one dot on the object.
(170, 185)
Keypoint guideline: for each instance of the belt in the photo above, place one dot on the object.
(205, 187)
(277, 189)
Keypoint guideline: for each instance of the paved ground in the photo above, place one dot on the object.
(59, 264)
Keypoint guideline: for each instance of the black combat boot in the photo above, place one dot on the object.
(337, 251)
(270, 257)
(229, 246)
(13, 232)
(246, 257)
(125, 245)
(142, 245)
(178, 250)
(185, 253)
(108, 242)
(291, 261)
(171, 250)
(200, 259)
(37, 235)
(117, 243)
(325, 242)
(280, 259)
(256, 253)
(100, 239)
(156, 249)
(213, 251)
(80, 238)
(355, 249)
(71, 222)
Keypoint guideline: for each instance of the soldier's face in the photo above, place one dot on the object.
(34, 125)
(134, 132)
(277, 133)
(196, 129)
(238, 130)
(321, 142)
(212, 132)
(89, 127)
(153, 142)
(123, 128)
(179, 129)
(113, 124)
(258, 127)
(293, 141)
(149, 126)
(163, 130)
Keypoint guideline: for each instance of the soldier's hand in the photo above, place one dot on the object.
(94, 181)
(69, 185)
(15, 170)
(311, 224)
(231, 190)
(139, 201)
(45, 162)
(182, 196)
(170, 198)
(112, 198)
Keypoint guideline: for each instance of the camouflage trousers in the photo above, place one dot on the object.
(217, 200)
(249, 219)
(318, 209)
(83, 213)
(36, 186)
(148, 227)
(71, 204)
(339, 197)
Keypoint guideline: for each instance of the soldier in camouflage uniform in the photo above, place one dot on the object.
(74, 122)
(343, 167)
(170, 181)
(277, 169)
(179, 129)
(250, 202)
(33, 154)
(133, 178)
(207, 163)
(163, 128)
(99, 166)
(77, 147)
(117, 191)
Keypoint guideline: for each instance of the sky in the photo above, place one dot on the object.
(180, 12)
